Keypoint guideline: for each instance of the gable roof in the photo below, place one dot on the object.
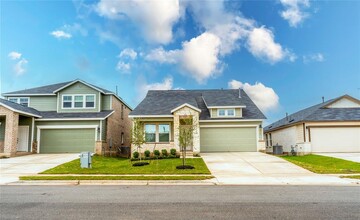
(20, 108)
(162, 102)
(318, 112)
(54, 88)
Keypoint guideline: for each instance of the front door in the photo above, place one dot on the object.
(23, 138)
(186, 131)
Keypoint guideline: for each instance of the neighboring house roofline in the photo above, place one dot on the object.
(183, 105)
(234, 106)
(81, 81)
(21, 95)
(231, 120)
(19, 111)
(305, 121)
(151, 116)
(341, 97)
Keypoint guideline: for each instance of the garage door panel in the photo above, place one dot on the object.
(67, 140)
(227, 139)
(335, 139)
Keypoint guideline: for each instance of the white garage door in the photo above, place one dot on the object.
(336, 139)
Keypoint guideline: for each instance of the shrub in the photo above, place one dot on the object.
(156, 153)
(136, 155)
(147, 153)
(164, 152)
(140, 164)
(173, 151)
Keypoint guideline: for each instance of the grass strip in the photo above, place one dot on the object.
(352, 177)
(115, 177)
(113, 165)
(324, 165)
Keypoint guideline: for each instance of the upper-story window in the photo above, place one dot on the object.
(22, 101)
(226, 112)
(78, 101)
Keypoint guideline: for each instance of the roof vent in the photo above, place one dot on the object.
(323, 99)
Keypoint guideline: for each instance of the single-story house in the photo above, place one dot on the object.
(65, 117)
(224, 120)
(331, 126)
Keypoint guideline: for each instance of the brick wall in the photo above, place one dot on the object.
(11, 131)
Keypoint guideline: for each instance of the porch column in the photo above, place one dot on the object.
(176, 132)
(11, 133)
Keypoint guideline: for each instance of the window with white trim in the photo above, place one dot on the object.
(78, 101)
(157, 133)
(226, 112)
(67, 101)
(24, 101)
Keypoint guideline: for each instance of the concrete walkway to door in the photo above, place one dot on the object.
(12, 168)
(255, 168)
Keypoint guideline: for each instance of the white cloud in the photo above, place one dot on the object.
(19, 67)
(123, 67)
(162, 56)
(294, 11)
(61, 34)
(155, 18)
(262, 45)
(144, 87)
(14, 55)
(128, 53)
(264, 97)
(198, 58)
(317, 57)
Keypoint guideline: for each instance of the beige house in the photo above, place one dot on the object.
(224, 120)
(331, 126)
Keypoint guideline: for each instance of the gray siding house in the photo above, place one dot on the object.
(66, 117)
(225, 120)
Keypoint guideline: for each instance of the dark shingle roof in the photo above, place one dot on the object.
(318, 112)
(73, 115)
(161, 102)
(49, 89)
(19, 108)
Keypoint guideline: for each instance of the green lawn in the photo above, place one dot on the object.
(352, 177)
(324, 165)
(112, 165)
(115, 177)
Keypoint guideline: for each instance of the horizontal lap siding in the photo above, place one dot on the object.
(43, 103)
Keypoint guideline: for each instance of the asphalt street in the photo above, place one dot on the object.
(179, 202)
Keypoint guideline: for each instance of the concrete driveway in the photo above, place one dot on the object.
(355, 157)
(12, 168)
(255, 168)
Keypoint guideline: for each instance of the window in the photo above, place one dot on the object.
(90, 101)
(150, 133)
(79, 101)
(122, 111)
(164, 133)
(270, 140)
(157, 133)
(67, 101)
(226, 112)
(22, 101)
(221, 112)
(122, 137)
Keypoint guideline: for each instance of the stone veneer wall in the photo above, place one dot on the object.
(186, 111)
(11, 131)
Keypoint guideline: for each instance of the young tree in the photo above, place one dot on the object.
(186, 130)
(138, 134)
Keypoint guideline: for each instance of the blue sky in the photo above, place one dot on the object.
(285, 54)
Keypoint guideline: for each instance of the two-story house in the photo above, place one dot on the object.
(66, 117)
(223, 120)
